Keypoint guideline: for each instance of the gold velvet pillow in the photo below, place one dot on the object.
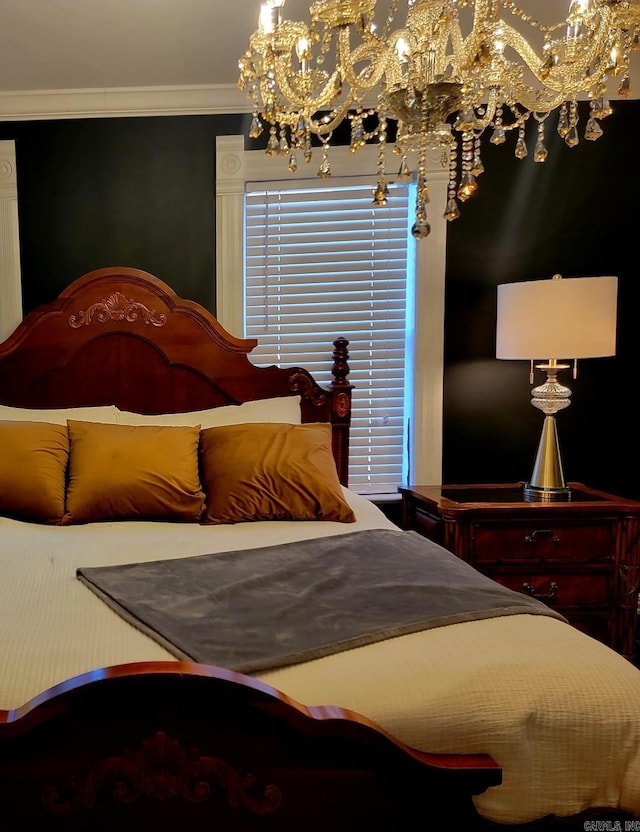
(33, 465)
(271, 472)
(135, 472)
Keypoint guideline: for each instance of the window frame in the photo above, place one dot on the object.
(235, 166)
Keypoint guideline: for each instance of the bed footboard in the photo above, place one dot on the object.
(178, 746)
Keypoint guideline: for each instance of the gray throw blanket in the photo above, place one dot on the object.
(258, 609)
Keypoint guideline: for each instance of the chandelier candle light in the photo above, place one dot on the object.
(564, 318)
(447, 72)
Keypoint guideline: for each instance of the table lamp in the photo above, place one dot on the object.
(555, 320)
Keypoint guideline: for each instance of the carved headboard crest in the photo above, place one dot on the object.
(117, 307)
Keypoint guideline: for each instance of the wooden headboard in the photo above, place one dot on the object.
(121, 336)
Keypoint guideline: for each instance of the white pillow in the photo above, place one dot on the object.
(59, 416)
(281, 409)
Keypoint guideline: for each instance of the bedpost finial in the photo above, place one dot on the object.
(340, 369)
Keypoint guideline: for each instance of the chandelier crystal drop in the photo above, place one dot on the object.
(450, 74)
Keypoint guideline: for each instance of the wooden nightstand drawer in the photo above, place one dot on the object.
(427, 524)
(561, 590)
(542, 542)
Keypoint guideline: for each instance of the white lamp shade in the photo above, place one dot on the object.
(560, 318)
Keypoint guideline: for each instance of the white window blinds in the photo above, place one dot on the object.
(321, 262)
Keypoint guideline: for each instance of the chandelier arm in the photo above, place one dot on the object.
(563, 81)
(376, 53)
(323, 128)
(625, 16)
(302, 99)
(472, 53)
(590, 59)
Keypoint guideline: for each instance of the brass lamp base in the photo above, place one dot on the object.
(533, 494)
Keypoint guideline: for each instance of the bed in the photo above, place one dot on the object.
(506, 720)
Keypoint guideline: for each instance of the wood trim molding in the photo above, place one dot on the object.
(10, 277)
(229, 189)
(30, 105)
(428, 344)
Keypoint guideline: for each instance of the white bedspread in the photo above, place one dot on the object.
(557, 710)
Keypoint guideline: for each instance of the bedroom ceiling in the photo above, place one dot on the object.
(113, 44)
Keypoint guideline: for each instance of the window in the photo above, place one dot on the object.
(352, 265)
(321, 261)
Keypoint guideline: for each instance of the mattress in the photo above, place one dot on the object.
(559, 711)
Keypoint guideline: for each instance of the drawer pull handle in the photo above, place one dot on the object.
(531, 538)
(541, 596)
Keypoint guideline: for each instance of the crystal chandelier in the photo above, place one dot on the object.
(432, 75)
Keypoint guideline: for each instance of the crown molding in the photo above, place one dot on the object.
(30, 105)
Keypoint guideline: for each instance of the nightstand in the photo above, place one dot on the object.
(580, 556)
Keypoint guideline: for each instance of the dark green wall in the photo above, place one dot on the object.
(140, 192)
(136, 192)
